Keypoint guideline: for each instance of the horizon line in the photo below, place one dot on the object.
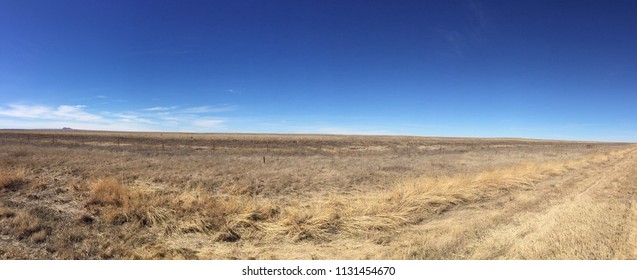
(312, 134)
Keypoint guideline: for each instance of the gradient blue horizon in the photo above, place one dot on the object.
(529, 69)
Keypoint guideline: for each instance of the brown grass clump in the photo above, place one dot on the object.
(12, 179)
(232, 217)
(39, 236)
(107, 191)
(6, 213)
(120, 205)
(25, 225)
(145, 207)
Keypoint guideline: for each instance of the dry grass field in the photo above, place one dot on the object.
(100, 195)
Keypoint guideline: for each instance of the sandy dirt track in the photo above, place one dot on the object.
(587, 214)
(583, 214)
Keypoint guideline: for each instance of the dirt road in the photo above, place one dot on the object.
(587, 213)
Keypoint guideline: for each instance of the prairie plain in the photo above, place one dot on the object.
(117, 195)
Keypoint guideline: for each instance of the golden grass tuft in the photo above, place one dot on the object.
(122, 204)
(107, 191)
(147, 208)
(12, 179)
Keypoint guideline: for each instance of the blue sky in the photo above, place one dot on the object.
(533, 69)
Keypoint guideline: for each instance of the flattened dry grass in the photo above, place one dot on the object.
(177, 212)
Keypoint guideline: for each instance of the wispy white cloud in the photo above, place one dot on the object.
(210, 109)
(212, 123)
(474, 29)
(25, 111)
(165, 118)
(160, 108)
(75, 113)
(132, 118)
(62, 112)
(454, 39)
(477, 14)
(57, 124)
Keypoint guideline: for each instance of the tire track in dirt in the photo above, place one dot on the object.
(591, 222)
(629, 250)
(585, 213)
